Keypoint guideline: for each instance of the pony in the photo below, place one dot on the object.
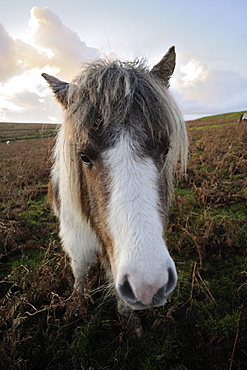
(243, 117)
(115, 156)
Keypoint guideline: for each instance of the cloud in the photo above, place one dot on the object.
(68, 51)
(55, 45)
(8, 63)
(16, 56)
(30, 57)
(52, 48)
(204, 91)
(26, 100)
(29, 106)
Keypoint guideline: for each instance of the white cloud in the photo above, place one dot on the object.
(67, 49)
(50, 47)
(9, 65)
(28, 106)
(202, 90)
(16, 57)
(193, 71)
(26, 100)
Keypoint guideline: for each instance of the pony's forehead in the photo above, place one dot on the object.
(110, 98)
(103, 136)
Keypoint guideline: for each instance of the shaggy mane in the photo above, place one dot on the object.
(116, 89)
(126, 93)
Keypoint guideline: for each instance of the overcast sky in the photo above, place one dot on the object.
(56, 37)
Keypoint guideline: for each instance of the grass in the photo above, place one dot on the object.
(45, 325)
(232, 115)
(211, 126)
(23, 131)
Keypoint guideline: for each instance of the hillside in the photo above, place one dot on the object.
(215, 121)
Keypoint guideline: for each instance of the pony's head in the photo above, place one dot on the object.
(115, 157)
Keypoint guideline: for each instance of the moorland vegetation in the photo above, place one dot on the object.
(45, 325)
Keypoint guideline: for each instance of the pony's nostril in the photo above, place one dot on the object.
(159, 296)
(172, 281)
(164, 292)
(126, 292)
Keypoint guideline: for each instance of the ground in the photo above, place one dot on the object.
(45, 325)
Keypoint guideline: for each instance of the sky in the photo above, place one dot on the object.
(57, 37)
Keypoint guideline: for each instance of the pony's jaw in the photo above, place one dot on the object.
(143, 271)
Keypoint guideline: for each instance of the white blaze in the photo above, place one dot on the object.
(135, 222)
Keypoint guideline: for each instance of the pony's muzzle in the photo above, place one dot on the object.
(147, 295)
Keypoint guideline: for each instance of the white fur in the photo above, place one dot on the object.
(140, 253)
(79, 240)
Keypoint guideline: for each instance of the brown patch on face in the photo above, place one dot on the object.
(94, 198)
(107, 256)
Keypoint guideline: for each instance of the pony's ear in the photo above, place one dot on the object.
(59, 88)
(165, 68)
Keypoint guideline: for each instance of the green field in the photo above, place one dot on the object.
(45, 325)
(21, 131)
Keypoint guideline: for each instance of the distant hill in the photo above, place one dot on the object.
(215, 121)
(232, 115)
(21, 131)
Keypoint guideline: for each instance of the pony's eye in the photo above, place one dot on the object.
(85, 159)
(165, 154)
